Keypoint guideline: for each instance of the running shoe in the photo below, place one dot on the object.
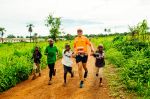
(49, 82)
(81, 84)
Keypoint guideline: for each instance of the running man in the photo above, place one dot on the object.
(51, 52)
(80, 48)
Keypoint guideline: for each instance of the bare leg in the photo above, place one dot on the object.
(84, 66)
(34, 71)
(80, 70)
(101, 75)
(97, 71)
(86, 70)
(39, 69)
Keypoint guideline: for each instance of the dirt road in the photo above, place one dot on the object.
(39, 88)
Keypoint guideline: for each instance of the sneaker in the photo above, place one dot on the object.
(49, 82)
(85, 74)
(97, 75)
(54, 73)
(34, 77)
(39, 74)
(81, 84)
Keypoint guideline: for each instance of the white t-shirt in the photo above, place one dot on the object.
(66, 60)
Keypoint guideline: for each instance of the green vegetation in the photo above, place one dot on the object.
(131, 55)
(54, 24)
(2, 31)
(129, 52)
(16, 63)
(30, 29)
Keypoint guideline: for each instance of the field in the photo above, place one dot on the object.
(129, 56)
(16, 63)
(132, 59)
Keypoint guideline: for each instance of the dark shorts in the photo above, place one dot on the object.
(100, 63)
(67, 69)
(82, 59)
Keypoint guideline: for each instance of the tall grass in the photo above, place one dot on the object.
(16, 63)
(132, 57)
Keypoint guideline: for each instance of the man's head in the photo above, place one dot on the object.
(79, 32)
(51, 42)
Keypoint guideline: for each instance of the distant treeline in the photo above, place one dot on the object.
(70, 37)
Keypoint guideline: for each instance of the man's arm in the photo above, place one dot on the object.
(74, 46)
(90, 44)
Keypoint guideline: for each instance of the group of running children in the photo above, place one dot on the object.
(67, 54)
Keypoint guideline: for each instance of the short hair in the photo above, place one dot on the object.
(67, 45)
(100, 46)
(50, 40)
(79, 30)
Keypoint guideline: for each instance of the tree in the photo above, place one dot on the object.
(54, 24)
(11, 36)
(69, 37)
(107, 30)
(2, 30)
(141, 30)
(35, 37)
(30, 26)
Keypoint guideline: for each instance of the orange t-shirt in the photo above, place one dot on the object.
(80, 44)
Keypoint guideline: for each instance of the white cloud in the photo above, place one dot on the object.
(15, 14)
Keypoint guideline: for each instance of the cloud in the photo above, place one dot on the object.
(92, 15)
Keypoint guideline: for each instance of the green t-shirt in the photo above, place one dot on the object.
(51, 54)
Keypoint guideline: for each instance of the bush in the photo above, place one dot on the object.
(115, 57)
(16, 63)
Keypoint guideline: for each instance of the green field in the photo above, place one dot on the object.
(16, 63)
(130, 56)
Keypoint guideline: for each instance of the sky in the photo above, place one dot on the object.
(90, 15)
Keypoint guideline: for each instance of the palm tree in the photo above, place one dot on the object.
(30, 26)
(107, 30)
(2, 30)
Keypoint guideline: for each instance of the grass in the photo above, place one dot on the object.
(120, 65)
(16, 63)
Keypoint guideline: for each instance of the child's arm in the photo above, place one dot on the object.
(73, 55)
(103, 55)
(93, 54)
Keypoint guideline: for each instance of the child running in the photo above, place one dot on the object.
(36, 67)
(67, 62)
(51, 52)
(100, 62)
